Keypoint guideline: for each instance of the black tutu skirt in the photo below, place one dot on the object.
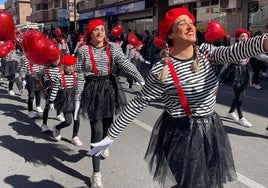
(64, 101)
(10, 68)
(237, 75)
(33, 83)
(102, 97)
(190, 152)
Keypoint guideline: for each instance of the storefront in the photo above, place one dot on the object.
(133, 16)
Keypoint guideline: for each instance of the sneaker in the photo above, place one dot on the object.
(257, 87)
(39, 109)
(56, 133)
(60, 117)
(11, 93)
(95, 180)
(130, 90)
(244, 122)
(76, 141)
(44, 128)
(105, 154)
(233, 116)
(31, 114)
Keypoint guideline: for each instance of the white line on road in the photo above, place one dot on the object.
(243, 179)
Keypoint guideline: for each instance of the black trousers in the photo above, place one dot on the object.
(99, 130)
(237, 101)
(68, 121)
(256, 66)
(31, 96)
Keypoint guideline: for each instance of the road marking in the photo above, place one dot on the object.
(243, 179)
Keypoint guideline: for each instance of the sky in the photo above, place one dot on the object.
(2, 1)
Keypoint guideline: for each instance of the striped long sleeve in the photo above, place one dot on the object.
(84, 64)
(199, 87)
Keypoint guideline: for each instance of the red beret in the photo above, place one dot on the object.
(93, 24)
(68, 60)
(168, 20)
(81, 37)
(239, 31)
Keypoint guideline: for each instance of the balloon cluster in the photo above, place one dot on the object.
(7, 27)
(38, 48)
(6, 47)
(214, 32)
(7, 33)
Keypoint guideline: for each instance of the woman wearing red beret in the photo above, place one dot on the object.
(188, 147)
(97, 88)
(240, 72)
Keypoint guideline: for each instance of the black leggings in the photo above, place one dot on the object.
(31, 95)
(256, 66)
(99, 130)
(45, 113)
(237, 102)
(68, 121)
(11, 79)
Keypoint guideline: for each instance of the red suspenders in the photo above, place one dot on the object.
(176, 80)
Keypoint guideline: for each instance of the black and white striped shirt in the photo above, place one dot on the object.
(70, 81)
(52, 73)
(199, 87)
(84, 66)
(131, 53)
(27, 69)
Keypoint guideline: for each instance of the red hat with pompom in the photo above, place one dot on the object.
(68, 60)
(167, 21)
(93, 24)
(239, 31)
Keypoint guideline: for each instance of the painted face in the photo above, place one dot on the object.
(242, 36)
(68, 69)
(183, 29)
(97, 35)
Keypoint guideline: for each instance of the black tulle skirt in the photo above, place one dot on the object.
(237, 75)
(33, 83)
(190, 152)
(102, 97)
(64, 101)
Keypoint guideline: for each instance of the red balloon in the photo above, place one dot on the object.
(132, 39)
(58, 32)
(7, 27)
(117, 31)
(10, 45)
(38, 48)
(4, 50)
(215, 32)
(159, 42)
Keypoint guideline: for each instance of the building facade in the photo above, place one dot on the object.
(20, 9)
(53, 13)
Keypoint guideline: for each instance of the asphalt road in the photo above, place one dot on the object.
(31, 159)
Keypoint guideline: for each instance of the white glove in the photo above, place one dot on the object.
(51, 106)
(142, 83)
(76, 109)
(99, 147)
(24, 84)
(147, 62)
